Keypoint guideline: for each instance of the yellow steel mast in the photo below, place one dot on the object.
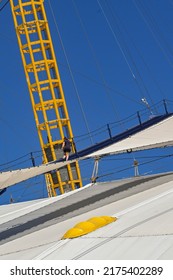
(45, 89)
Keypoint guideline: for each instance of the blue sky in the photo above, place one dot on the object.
(119, 51)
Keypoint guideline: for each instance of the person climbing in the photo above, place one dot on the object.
(66, 146)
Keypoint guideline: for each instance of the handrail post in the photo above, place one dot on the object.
(109, 131)
(165, 106)
(139, 118)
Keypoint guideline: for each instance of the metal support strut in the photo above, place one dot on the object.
(95, 170)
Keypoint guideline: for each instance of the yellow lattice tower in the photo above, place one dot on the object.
(46, 92)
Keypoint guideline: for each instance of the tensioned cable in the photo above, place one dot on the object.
(151, 28)
(115, 37)
(27, 187)
(96, 60)
(17, 162)
(155, 27)
(121, 27)
(125, 47)
(71, 74)
(140, 157)
(131, 167)
(13, 160)
(102, 129)
(107, 86)
(117, 41)
(123, 52)
(4, 5)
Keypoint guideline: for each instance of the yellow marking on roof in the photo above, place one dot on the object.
(88, 226)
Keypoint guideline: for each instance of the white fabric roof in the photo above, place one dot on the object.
(16, 176)
(158, 135)
(144, 230)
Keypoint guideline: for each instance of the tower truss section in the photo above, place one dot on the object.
(46, 92)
